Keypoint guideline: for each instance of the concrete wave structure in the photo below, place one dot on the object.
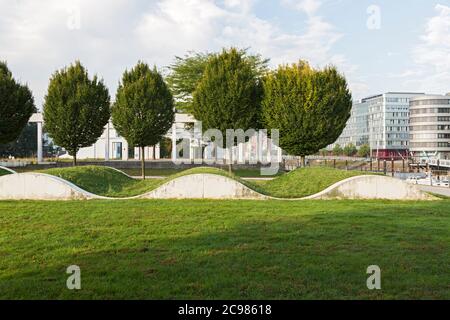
(372, 187)
(203, 186)
(40, 186)
(7, 169)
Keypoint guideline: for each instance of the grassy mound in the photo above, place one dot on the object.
(4, 172)
(103, 181)
(108, 182)
(303, 182)
(112, 183)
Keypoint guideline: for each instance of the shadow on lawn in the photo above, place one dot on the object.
(320, 256)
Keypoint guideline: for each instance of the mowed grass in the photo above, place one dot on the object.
(108, 182)
(3, 172)
(103, 181)
(304, 181)
(198, 249)
(252, 173)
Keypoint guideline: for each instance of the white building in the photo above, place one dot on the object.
(190, 148)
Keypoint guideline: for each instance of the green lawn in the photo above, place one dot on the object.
(103, 181)
(304, 182)
(108, 182)
(198, 249)
(150, 171)
(250, 173)
(3, 172)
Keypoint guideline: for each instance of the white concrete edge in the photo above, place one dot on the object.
(342, 182)
(115, 169)
(317, 196)
(262, 196)
(88, 194)
(8, 169)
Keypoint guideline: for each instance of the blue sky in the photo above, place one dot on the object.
(389, 45)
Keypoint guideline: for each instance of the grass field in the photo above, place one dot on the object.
(187, 249)
(108, 182)
(252, 173)
(304, 182)
(3, 172)
(103, 181)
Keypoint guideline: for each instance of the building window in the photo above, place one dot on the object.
(117, 150)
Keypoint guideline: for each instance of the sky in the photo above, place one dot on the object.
(380, 46)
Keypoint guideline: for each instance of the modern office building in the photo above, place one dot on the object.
(357, 128)
(389, 124)
(430, 127)
(382, 122)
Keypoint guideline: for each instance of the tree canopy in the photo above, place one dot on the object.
(309, 107)
(16, 105)
(229, 93)
(76, 108)
(364, 150)
(337, 150)
(186, 73)
(144, 108)
(350, 150)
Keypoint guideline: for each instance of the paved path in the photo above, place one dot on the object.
(437, 190)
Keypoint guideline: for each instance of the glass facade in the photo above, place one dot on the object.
(382, 122)
(356, 130)
(430, 127)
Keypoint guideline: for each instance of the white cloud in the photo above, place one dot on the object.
(176, 26)
(113, 35)
(432, 54)
(435, 47)
(310, 7)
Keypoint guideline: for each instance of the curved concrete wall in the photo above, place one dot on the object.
(203, 186)
(40, 186)
(7, 169)
(372, 187)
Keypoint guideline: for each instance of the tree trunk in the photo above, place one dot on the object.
(143, 163)
(303, 160)
(74, 159)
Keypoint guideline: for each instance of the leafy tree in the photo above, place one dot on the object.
(337, 150)
(186, 72)
(24, 146)
(229, 94)
(144, 108)
(16, 105)
(364, 151)
(350, 150)
(76, 109)
(309, 107)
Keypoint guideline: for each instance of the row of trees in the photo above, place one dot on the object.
(233, 89)
(227, 90)
(77, 108)
(350, 150)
